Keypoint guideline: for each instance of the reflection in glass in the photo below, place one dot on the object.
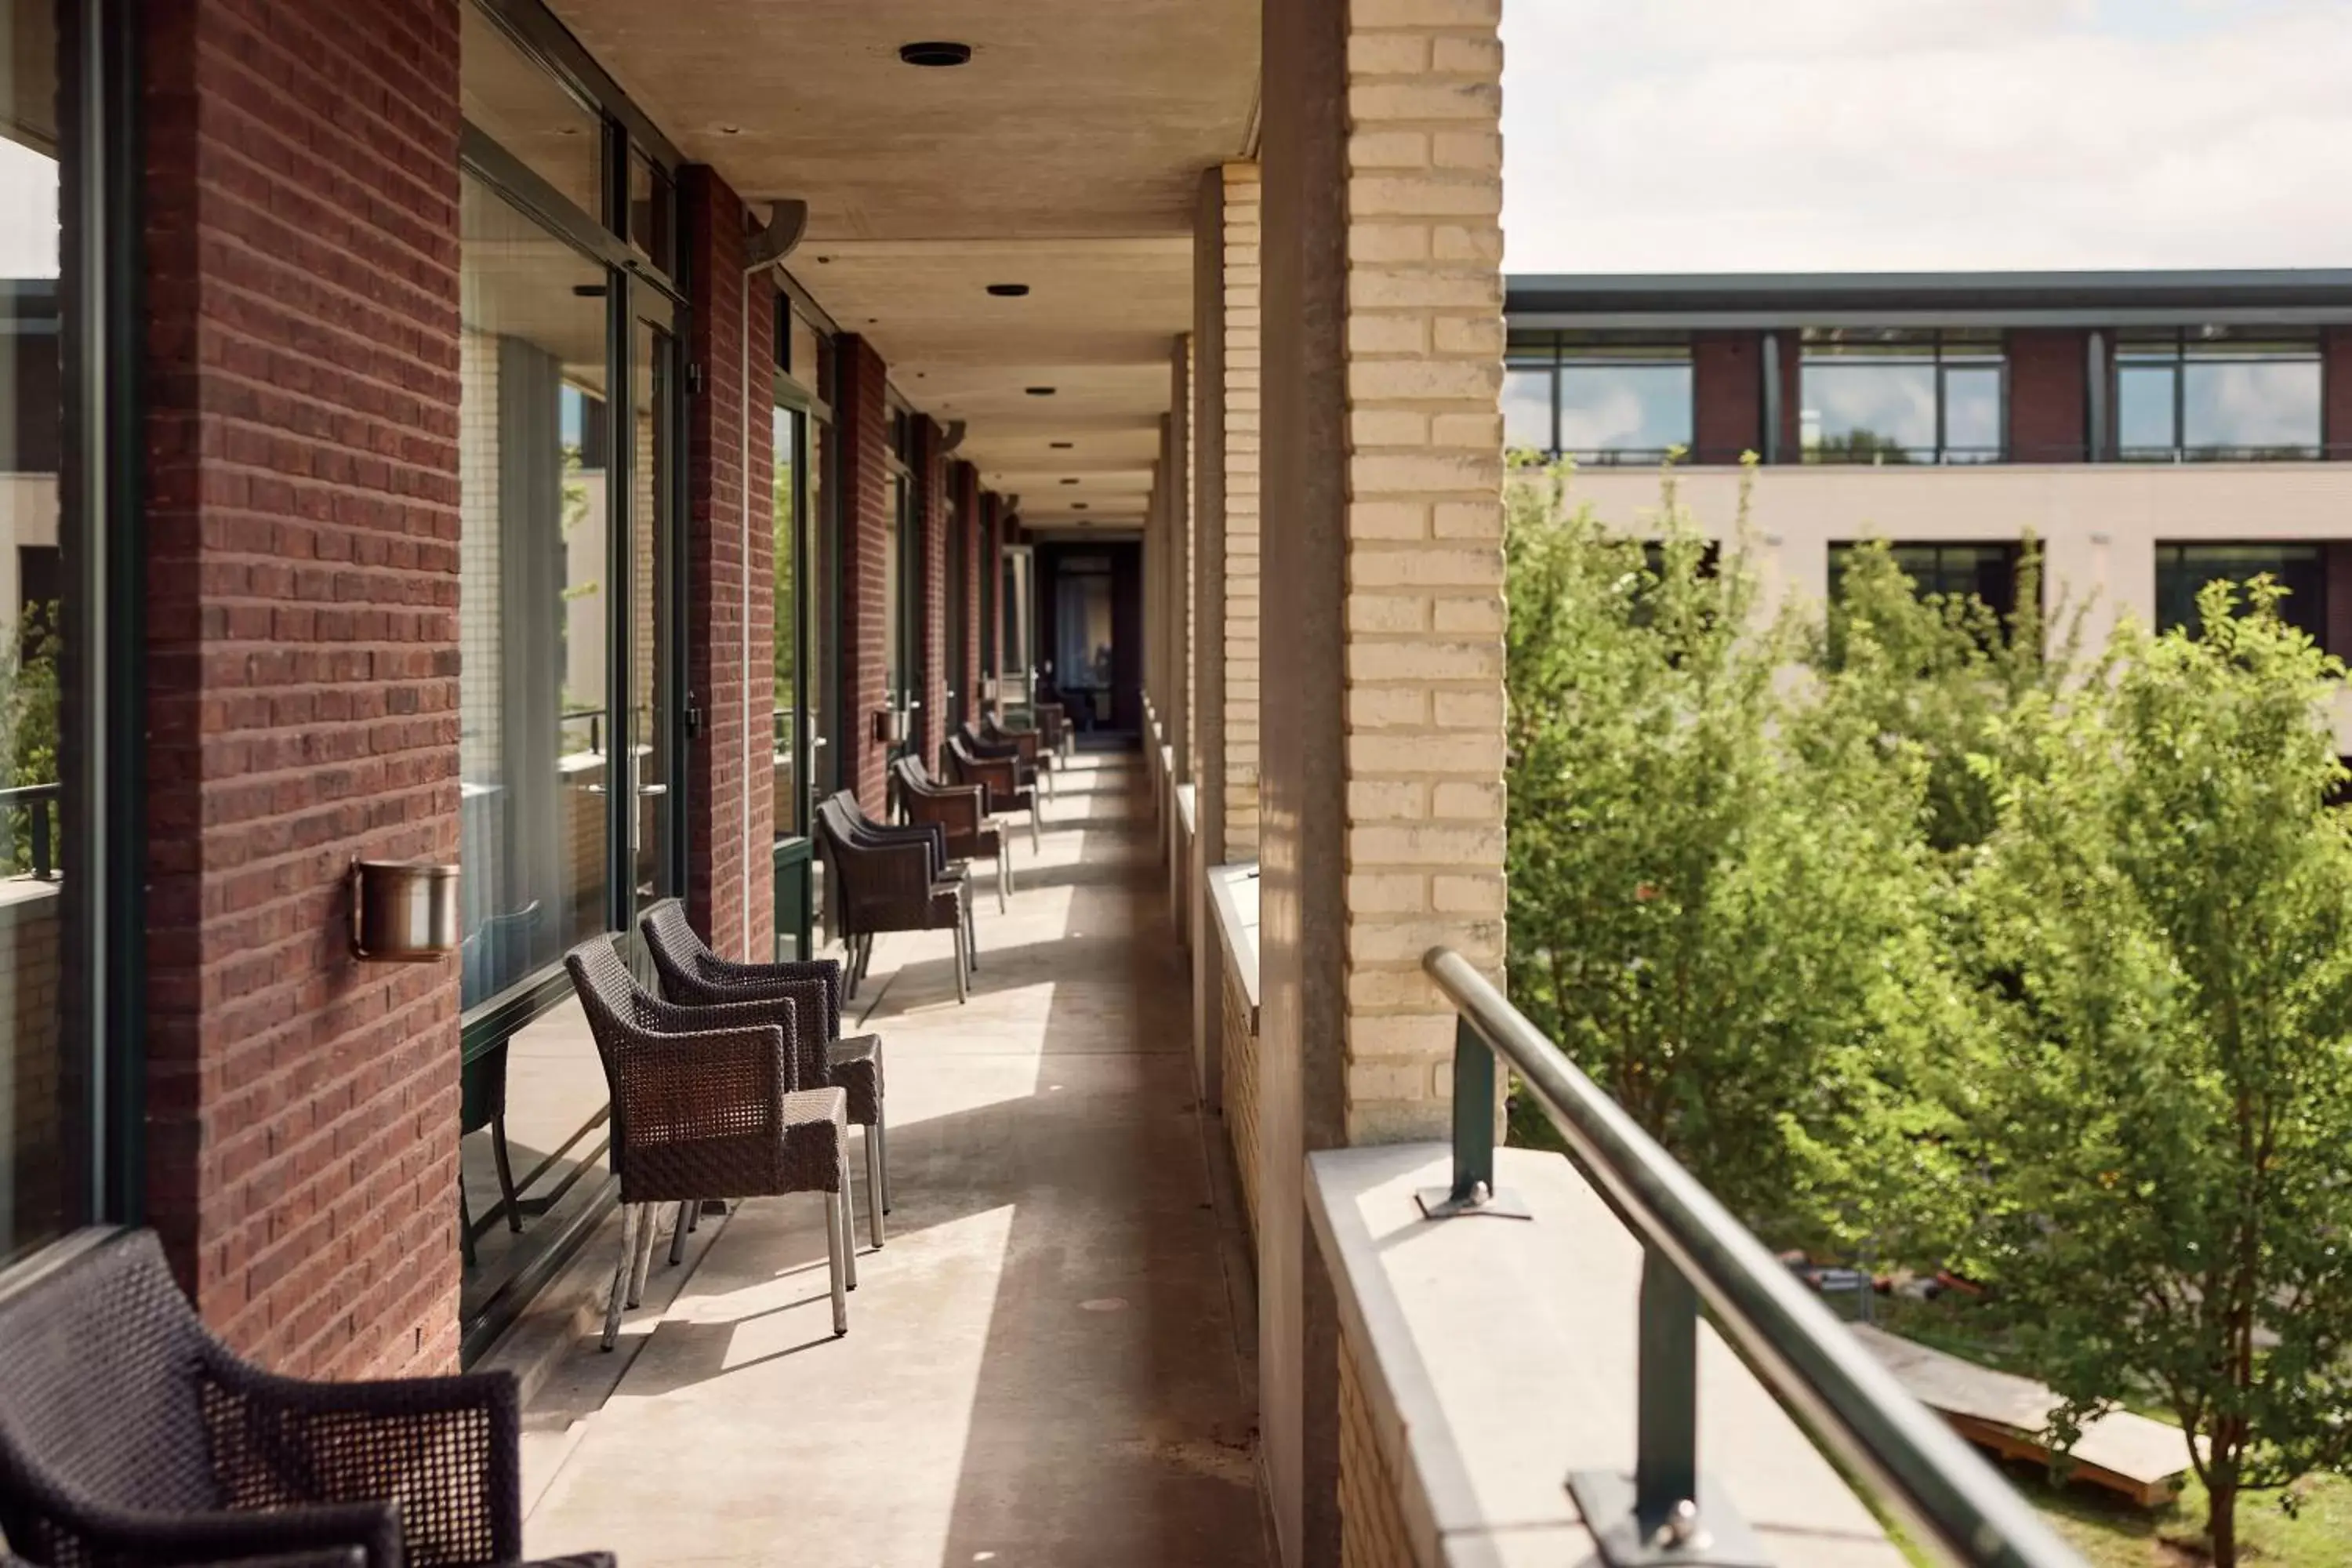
(894, 662)
(788, 721)
(653, 772)
(1900, 396)
(518, 104)
(534, 737)
(2210, 393)
(43, 1100)
(1987, 571)
(820, 569)
(652, 209)
(2182, 570)
(1527, 409)
(1624, 405)
(2145, 408)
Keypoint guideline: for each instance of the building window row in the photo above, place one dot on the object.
(1878, 396)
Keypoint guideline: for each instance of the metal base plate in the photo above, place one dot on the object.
(1437, 1203)
(1722, 1539)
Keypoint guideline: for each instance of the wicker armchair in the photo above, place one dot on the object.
(893, 881)
(708, 1102)
(130, 1437)
(959, 811)
(693, 975)
(999, 776)
(1053, 724)
(1036, 762)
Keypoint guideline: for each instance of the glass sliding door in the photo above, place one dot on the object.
(794, 725)
(653, 775)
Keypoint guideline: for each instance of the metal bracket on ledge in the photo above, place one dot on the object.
(1704, 1533)
(1440, 1203)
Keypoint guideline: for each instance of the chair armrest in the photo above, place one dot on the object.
(701, 1007)
(958, 808)
(334, 1535)
(446, 1450)
(721, 974)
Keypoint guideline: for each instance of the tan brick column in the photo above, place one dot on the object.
(1381, 718)
(1240, 189)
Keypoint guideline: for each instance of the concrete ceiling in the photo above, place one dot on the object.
(1066, 156)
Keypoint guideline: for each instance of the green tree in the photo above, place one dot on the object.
(1712, 875)
(2158, 1074)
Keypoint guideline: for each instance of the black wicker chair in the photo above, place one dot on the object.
(893, 879)
(130, 1437)
(693, 975)
(959, 811)
(708, 1103)
(998, 776)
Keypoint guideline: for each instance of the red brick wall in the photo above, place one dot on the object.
(2337, 388)
(727, 882)
(975, 551)
(1792, 396)
(931, 481)
(301, 251)
(1726, 396)
(2049, 401)
(864, 412)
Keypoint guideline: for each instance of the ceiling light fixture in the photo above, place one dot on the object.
(1009, 290)
(1040, 391)
(1077, 506)
(1063, 446)
(936, 54)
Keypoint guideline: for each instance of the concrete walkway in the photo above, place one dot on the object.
(1042, 1366)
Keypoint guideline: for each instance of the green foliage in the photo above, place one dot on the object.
(28, 728)
(1916, 939)
(1712, 879)
(2158, 1074)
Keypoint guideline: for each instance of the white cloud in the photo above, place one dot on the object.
(1713, 135)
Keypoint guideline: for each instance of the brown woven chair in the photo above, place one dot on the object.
(998, 774)
(130, 1437)
(893, 883)
(1026, 744)
(695, 976)
(708, 1103)
(1053, 724)
(960, 811)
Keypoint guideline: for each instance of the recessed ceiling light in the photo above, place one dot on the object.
(730, 130)
(1041, 392)
(1008, 290)
(1063, 446)
(935, 53)
(1077, 506)
(1069, 481)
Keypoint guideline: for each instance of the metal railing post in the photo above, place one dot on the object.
(1665, 1444)
(1474, 1190)
(44, 862)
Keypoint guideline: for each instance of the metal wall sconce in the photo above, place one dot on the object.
(403, 912)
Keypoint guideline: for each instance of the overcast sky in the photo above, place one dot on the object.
(1834, 135)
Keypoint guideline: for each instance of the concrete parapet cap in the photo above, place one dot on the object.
(1232, 895)
(1497, 1355)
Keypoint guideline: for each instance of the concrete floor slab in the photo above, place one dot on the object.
(1043, 1367)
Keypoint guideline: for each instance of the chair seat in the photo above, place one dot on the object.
(854, 1065)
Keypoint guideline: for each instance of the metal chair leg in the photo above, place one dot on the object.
(677, 1236)
(1036, 844)
(970, 926)
(1003, 878)
(881, 1142)
(963, 972)
(621, 1275)
(874, 1210)
(848, 1225)
(832, 1230)
(649, 1221)
(506, 1172)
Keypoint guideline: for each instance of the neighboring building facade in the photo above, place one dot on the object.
(2151, 429)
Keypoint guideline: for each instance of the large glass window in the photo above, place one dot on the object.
(653, 773)
(2217, 393)
(1875, 396)
(534, 737)
(45, 1104)
(1598, 397)
(785, 437)
(2182, 570)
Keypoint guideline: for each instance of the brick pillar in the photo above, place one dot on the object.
(1176, 479)
(930, 656)
(991, 577)
(965, 484)
(2335, 389)
(1240, 391)
(1726, 396)
(1382, 736)
(300, 247)
(731, 587)
(864, 427)
(2049, 396)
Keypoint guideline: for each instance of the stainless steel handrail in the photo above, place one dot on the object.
(1946, 1493)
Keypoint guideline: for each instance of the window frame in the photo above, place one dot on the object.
(2136, 350)
(1942, 351)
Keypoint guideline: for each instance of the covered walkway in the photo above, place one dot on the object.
(1045, 1364)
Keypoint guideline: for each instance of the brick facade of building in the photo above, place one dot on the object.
(863, 432)
(299, 200)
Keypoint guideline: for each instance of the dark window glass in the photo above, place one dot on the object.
(1890, 397)
(1987, 571)
(2182, 570)
(45, 1105)
(653, 210)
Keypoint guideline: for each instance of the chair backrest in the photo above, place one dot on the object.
(99, 1400)
(678, 948)
(607, 992)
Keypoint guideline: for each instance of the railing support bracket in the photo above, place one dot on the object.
(1704, 1532)
(1440, 1203)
